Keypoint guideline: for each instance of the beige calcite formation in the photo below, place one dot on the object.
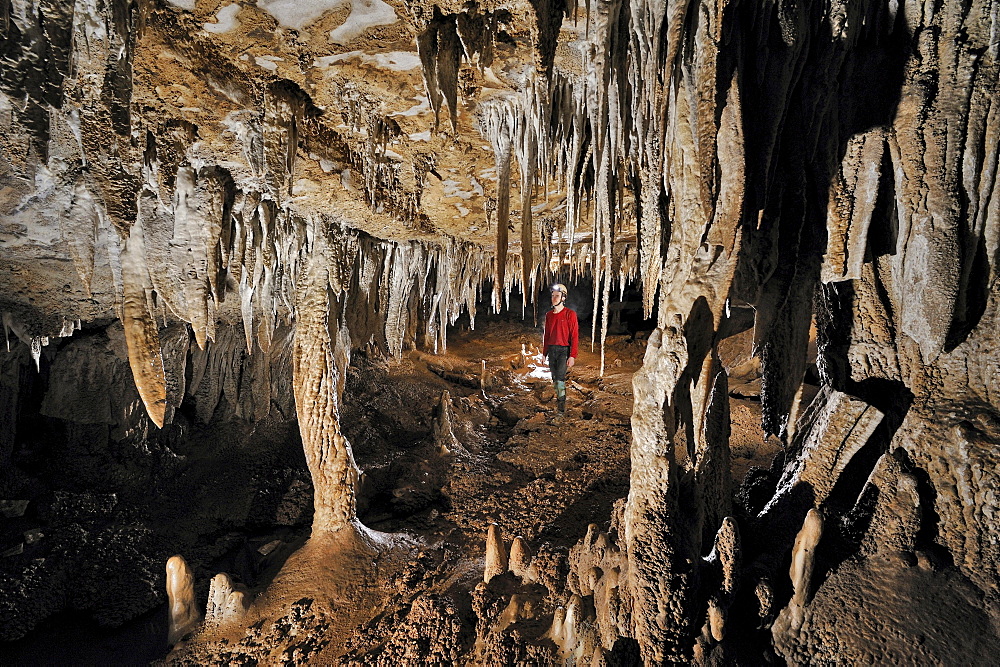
(443, 435)
(519, 559)
(497, 559)
(832, 417)
(278, 185)
(801, 572)
(227, 603)
(897, 516)
(184, 616)
(598, 572)
(319, 363)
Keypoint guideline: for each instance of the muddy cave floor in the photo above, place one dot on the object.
(524, 468)
(426, 514)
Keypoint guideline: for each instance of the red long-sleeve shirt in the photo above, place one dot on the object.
(561, 329)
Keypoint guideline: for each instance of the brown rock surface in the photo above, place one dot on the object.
(236, 237)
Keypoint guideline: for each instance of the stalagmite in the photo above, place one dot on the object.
(516, 609)
(557, 629)
(180, 598)
(520, 558)
(716, 620)
(316, 380)
(496, 553)
(765, 600)
(218, 595)
(801, 570)
(727, 548)
(236, 608)
(227, 602)
(569, 637)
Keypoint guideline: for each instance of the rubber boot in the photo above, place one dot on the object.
(562, 405)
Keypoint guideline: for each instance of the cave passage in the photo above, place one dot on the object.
(271, 280)
(225, 482)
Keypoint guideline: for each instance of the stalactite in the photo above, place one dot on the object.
(283, 114)
(140, 329)
(498, 123)
(403, 269)
(853, 194)
(569, 128)
(427, 49)
(476, 30)
(188, 253)
(264, 272)
(80, 225)
(449, 60)
(527, 158)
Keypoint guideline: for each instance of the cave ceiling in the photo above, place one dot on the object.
(194, 181)
(389, 119)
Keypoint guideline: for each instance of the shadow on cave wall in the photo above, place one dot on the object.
(103, 505)
(805, 94)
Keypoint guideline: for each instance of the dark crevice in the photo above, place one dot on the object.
(849, 506)
(735, 321)
(973, 296)
(927, 536)
(883, 232)
(893, 400)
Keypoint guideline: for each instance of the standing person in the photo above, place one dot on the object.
(561, 340)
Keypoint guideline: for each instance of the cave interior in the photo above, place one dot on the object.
(273, 279)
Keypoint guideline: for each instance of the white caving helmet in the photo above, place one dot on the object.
(559, 287)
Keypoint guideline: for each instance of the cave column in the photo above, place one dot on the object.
(318, 382)
(681, 382)
(658, 572)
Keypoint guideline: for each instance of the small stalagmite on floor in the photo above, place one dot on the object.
(496, 553)
(184, 615)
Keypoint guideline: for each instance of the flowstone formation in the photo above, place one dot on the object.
(212, 207)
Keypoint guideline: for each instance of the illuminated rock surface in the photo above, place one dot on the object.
(244, 246)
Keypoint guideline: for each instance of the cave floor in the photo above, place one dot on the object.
(425, 511)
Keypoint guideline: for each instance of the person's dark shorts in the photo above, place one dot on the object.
(558, 355)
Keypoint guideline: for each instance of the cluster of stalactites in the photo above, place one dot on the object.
(184, 256)
(572, 131)
(559, 128)
(12, 326)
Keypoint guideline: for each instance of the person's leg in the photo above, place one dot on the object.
(558, 356)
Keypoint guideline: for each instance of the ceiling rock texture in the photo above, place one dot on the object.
(226, 200)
